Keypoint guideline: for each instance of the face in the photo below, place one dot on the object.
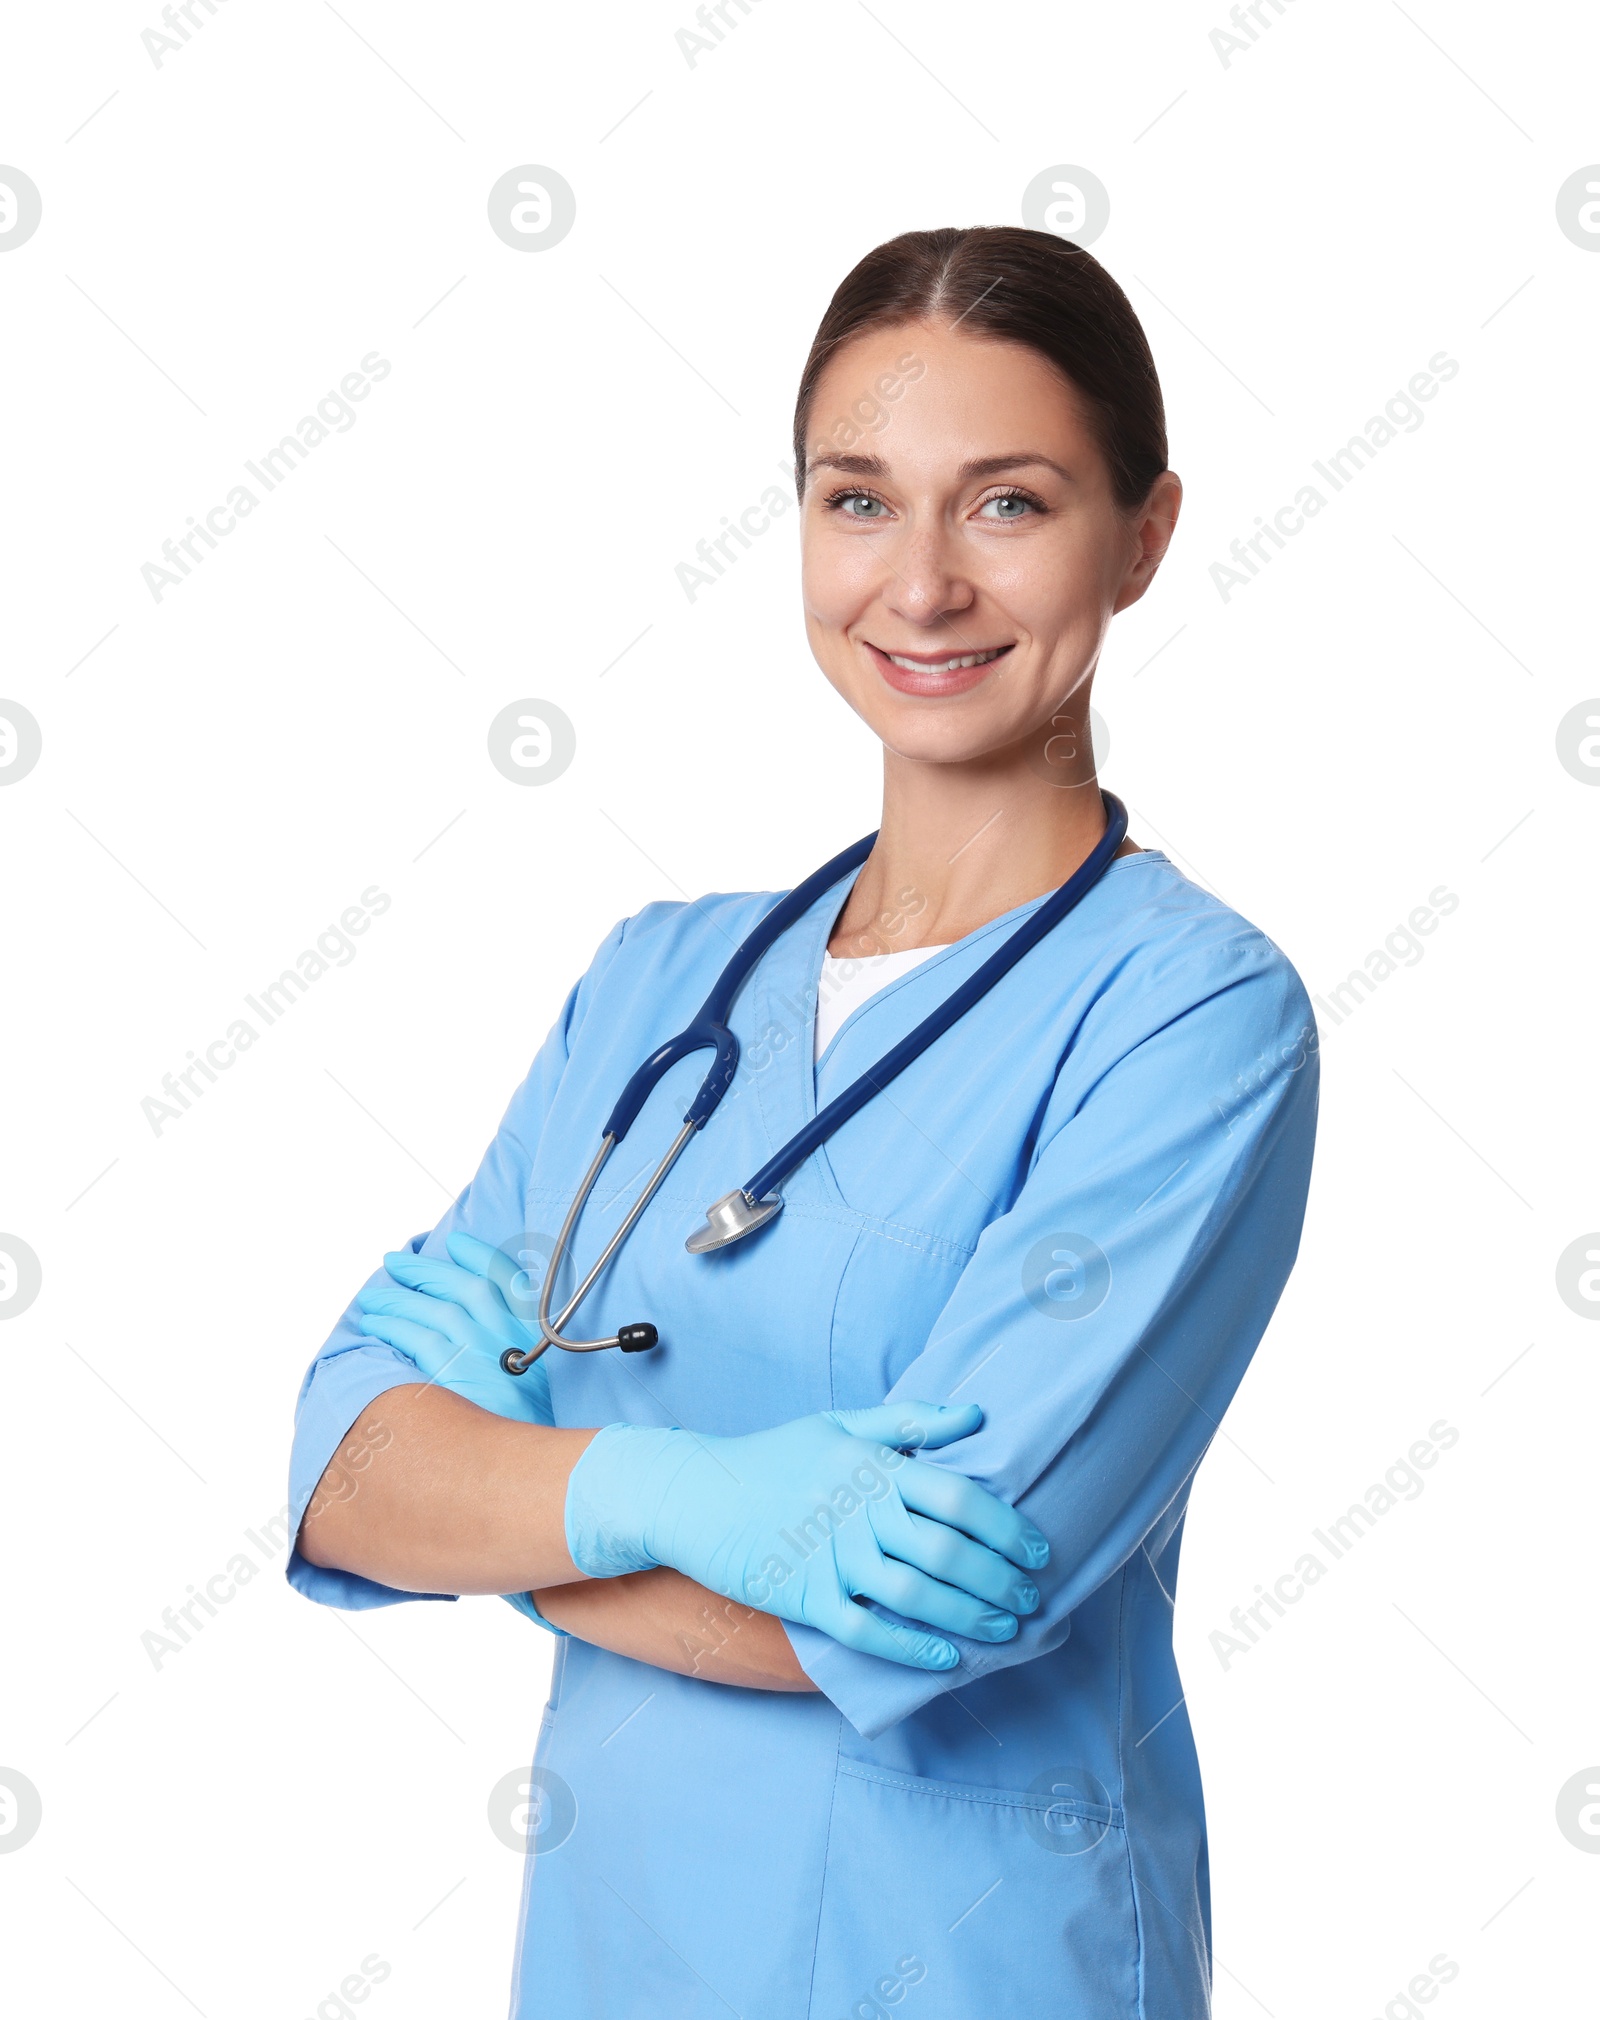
(963, 553)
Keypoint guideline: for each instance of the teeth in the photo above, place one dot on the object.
(947, 665)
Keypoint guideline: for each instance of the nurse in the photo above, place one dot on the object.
(864, 1575)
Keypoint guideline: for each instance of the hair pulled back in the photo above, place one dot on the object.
(1021, 287)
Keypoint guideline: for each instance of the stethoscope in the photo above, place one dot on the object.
(760, 1199)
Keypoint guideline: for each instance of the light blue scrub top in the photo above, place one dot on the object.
(1078, 1209)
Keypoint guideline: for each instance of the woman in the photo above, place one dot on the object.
(840, 1723)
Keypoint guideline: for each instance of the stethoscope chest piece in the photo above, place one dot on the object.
(734, 1215)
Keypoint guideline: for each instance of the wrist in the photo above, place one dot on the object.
(527, 1606)
(612, 1492)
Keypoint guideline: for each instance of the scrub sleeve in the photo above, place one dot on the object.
(353, 1370)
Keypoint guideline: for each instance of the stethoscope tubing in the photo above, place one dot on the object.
(550, 1329)
(955, 1006)
(710, 1026)
(710, 1031)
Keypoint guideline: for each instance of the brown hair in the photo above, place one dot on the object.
(1020, 287)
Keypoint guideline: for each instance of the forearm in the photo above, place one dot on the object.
(452, 1499)
(662, 1618)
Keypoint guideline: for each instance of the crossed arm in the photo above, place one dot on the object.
(452, 1498)
(1203, 1222)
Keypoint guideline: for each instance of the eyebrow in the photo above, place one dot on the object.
(978, 466)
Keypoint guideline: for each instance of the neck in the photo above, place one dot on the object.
(961, 844)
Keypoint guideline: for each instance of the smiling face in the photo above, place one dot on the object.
(962, 560)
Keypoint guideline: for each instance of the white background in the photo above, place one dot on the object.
(225, 770)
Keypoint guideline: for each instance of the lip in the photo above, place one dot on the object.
(959, 680)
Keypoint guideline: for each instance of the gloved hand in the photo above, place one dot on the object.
(802, 1520)
(453, 1320)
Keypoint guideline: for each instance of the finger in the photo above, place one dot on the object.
(485, 1261)
(856, 1628)
(952, 1558)
(442, 1278)
(431, 1352)
(473, 1254)
(437, 1314)
(449, 1277)
(911, 1424)
(448, 1283)
(918, 1597)
(516, 1276)
(960, 1503)
(908, 1588)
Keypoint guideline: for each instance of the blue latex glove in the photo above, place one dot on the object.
(523, 1602)
(453, 1320)
(804, 1519)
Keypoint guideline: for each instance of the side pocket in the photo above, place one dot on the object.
(958, 1892)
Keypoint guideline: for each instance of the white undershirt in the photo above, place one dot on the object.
(847, 981)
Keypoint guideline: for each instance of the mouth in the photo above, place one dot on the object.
(936, 673)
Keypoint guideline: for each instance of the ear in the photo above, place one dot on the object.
(1153, 526)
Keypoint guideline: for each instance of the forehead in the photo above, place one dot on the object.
(915, 391)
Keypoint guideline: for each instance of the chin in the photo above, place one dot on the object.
(913, 732)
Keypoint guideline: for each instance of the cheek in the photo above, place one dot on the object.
(1054, 588)
(837, 576)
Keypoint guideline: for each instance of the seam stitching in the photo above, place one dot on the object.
(1009, 1799)
(1122, 1779)
(907, 1237)
(827, 1849)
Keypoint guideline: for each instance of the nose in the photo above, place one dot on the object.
(926, 583)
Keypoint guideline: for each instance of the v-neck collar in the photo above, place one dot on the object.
(784, 992)
(936, 959)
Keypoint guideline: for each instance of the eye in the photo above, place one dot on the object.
(865, 505)
(1009, 507)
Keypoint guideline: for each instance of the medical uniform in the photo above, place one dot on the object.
(1078, 1210)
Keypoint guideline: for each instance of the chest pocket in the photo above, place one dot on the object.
(894, 1285)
